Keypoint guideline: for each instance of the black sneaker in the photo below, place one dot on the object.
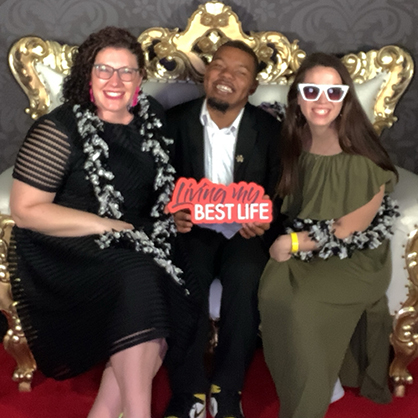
(186, 405)
(224, 403)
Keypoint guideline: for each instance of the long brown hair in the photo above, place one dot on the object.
(356, 134)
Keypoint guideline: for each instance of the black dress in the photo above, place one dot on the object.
(78, 303)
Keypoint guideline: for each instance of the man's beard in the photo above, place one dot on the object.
(217, 104)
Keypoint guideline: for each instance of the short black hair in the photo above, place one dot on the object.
(243, 47)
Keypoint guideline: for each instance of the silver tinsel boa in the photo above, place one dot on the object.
(158, 244)
(329, 245)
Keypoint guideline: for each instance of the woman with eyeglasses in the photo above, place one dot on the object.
(90, 185)
(324, 312)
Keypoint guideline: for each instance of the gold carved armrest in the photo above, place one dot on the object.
(14, 341)
(405, 326)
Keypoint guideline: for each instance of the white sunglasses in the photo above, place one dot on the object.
(333, 92)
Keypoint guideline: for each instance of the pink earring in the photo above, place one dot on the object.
(91, 93)
(135, 98)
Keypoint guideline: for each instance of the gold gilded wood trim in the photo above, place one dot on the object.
(405, 326)
(394, 61)
(14, 341)
(173, 55)
(23, 57)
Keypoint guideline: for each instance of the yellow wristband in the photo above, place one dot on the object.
(295, 242)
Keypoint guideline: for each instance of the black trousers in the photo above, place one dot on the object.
(238, 263)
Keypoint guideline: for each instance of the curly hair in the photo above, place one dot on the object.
(356, 134)
(76, 84)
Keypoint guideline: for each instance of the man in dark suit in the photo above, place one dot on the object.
(225, 139)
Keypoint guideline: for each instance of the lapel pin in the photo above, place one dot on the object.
(239, 158)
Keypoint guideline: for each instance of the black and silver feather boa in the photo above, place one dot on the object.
(329, 245)
(110, 200)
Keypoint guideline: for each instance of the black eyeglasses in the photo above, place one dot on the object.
(105, 72)
(333, 92)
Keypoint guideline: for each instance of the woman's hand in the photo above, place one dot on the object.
(280, 249)
(115, 225)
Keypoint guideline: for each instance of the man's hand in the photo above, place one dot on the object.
(253, 229)
(250, 230)
(183, 221)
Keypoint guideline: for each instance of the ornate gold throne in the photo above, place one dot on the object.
(175, 64)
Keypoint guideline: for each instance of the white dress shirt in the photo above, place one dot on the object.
(219, 152)
(219, 148)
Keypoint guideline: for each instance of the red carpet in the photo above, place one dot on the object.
(73, 398)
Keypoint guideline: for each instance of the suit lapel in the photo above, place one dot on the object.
(195, 134)
(247, 136)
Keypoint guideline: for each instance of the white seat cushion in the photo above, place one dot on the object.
(215, 294)
(5, 188)
(406, 194)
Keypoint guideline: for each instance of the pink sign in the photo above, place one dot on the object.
(215, 203)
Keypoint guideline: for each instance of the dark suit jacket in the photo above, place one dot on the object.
(257, 144)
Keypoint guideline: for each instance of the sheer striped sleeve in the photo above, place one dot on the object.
(43, 157)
